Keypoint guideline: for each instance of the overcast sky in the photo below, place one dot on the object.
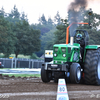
(35, 8)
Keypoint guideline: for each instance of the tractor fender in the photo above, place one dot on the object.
(90, 47)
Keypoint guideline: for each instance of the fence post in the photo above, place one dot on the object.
(18, 64)
(38, 64)
(29, 63)
(32, 63)
(15, 62)
(12, 63)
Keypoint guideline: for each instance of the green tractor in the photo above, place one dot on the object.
(74, 62)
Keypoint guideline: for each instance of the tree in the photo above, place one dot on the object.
(33, 42)
(60, 34)
(47, 36)
(23, 16)
(27, 41)
(47, 40)
(50, 21)
(14, 16)
(94, 32)
(46, 30)
(83, 16)
(42, 20)
(16, 35)
(14, 13)
(2, 12)
(6, 37)
(57, 18)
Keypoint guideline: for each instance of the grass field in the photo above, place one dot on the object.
(20, 56)
(13, 55)
(23, 75)
(34, 56)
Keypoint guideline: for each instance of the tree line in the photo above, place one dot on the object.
(16, 35)
(19, 37)
(47, 28)
(93, 30)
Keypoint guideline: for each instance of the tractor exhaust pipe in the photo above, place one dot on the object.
(67, 33)
(71, 40)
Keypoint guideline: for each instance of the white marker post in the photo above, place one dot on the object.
(62, 93)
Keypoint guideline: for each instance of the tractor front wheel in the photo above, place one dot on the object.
(75, 73)
(45, 75)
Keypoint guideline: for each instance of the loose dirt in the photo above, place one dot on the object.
(12, 88)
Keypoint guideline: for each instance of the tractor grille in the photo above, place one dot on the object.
(69, 50)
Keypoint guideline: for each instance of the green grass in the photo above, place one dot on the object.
(23, 75)
(5, 68)
(20, 56)
(13, 55)
(10, 68)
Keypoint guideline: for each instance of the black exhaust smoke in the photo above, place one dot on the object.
(77, 4)
(74, 13)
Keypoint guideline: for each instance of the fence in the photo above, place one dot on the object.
(21, 63)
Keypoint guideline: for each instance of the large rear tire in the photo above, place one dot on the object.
(92, 67)
(75, 73)
(87, 66)
(45, 75)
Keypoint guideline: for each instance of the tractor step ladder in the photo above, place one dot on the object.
(62, 93)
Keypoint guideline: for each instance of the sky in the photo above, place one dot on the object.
(35, 8)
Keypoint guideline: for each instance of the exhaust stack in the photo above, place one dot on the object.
(67, 33)
(71, 40)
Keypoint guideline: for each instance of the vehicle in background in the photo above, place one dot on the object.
(1, 65)
(48, 56)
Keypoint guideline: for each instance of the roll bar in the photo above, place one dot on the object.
(67, 32)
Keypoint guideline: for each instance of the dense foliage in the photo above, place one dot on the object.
(60, 34)
(93, 30)
(16, 35)
(47, 28)
(19, 37)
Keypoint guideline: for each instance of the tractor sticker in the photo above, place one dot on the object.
(62, 98)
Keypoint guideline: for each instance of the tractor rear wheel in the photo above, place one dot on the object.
(75, 73)
(45, 75)
(87, 66)
(92, 67)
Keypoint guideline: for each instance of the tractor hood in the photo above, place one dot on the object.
(65, 53)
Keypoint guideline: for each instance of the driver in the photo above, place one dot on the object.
(80, 40)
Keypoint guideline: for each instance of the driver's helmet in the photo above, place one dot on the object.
(78, 36)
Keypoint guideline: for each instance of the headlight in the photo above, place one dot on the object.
(55, 49)
(64, 55)
(63, 50)
(55, 54)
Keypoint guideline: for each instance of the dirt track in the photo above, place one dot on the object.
(35, 89)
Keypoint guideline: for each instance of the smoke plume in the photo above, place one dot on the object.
(74, 14)
(77, 4)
